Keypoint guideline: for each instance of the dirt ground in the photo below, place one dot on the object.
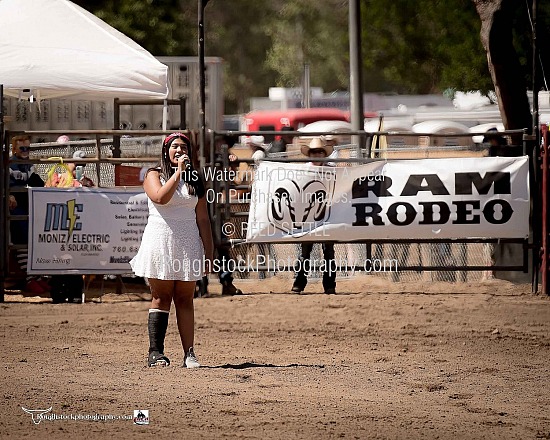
(379, 360)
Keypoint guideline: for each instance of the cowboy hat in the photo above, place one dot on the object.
(258, 142)
(319, 143)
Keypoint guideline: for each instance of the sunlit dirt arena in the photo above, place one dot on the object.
(379, 360)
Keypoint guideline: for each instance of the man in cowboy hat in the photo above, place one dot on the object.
(319, 148)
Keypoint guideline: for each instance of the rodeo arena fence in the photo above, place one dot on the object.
(410, 210)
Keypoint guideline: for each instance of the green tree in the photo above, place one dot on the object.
(266, 43)
(312, 32)
(424, 46)
(235, 31)
(163, 27)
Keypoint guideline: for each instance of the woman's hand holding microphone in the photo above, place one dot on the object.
(184, 165)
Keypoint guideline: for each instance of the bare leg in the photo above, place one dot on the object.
(162, 292)
(185, 313)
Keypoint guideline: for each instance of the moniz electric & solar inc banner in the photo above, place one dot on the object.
(485, 197)
(85, 230)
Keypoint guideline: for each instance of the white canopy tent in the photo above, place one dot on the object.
(54, 48)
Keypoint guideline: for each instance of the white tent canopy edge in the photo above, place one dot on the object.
(54, 48)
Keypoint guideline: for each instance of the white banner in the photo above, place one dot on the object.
(485, 197)
(85, 230)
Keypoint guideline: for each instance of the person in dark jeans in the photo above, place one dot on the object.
(21, 176)
(224, 275)
(222, 250)
(320, 148)
(329, 273)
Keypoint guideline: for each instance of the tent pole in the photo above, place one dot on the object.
(165, 115)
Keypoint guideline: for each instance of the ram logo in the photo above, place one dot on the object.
(298, 206)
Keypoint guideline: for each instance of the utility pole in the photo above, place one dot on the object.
(306, 88)
(535, 125)
(202, 85)
(355, 71)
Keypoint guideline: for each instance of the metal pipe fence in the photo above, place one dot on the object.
(418, 260)
(428, 260)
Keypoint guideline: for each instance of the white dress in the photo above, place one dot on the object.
(171, 247)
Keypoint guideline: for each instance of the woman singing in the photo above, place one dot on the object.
(176, 248)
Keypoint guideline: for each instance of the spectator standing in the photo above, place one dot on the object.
(225, 275)
(260, 151)
(280, 145)
(496, 142)
(318, 148)
(21, 176)
(497, 147)
(69, 288)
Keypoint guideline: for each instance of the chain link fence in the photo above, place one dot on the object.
(102, 174)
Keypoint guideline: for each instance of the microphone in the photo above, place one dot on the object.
(187, 164)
